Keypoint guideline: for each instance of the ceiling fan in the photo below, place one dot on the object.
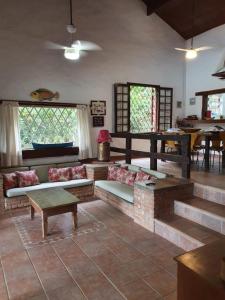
(77, 48)
(192, 52)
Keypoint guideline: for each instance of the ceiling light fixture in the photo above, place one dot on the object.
(72, 53)
(191, 54)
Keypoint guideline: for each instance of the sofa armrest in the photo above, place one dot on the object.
(97, 172)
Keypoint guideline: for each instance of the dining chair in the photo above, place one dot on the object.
(195, 145)
(218, 145)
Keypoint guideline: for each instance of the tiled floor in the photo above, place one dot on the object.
(120, 261)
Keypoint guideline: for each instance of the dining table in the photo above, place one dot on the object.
(207, 137)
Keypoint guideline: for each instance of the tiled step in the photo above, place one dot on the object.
(185, 234)
(210, 193)
(203, 212)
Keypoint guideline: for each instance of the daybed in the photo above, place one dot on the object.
(16, 197)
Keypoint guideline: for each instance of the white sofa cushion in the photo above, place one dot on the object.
(65, 184)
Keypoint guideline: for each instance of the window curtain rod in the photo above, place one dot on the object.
(45, 104)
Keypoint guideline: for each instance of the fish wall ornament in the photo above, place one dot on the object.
(44, 95)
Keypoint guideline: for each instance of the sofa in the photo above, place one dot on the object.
(16, 197)
(119, 194)
(141, 202)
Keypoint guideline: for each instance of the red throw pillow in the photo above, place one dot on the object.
(59, 174)
(142, 176)
(113, 171)
(78, 172)
(9, 181)
(27, 178)
(125, 176)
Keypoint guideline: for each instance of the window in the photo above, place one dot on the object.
(141, 108)
(47, 125)
(216, 104)
(165, 108)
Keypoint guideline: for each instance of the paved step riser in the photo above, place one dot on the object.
(200, 216)
(209, 193)
(176, 236)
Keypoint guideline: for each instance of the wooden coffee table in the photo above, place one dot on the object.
(51, 202)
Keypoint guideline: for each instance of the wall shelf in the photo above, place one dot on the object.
(212, 121)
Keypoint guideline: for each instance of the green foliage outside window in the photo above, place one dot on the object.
(141, 109)
(47, 125)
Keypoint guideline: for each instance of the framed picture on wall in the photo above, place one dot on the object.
(98, 108)
(98, 121)
(179, 104)
(192, 101)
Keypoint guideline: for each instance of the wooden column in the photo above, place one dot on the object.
(186, 154)
(128, 148)
(153, 152)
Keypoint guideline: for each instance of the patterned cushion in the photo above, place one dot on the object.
(9, 181)
(125, 176)
(78, 172)
(113, 171)
(27, 178)
(142, 176)
(59, 174)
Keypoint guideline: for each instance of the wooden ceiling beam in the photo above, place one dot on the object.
(153, 5)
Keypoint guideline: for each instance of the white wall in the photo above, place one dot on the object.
(136, 48)
(199, 70)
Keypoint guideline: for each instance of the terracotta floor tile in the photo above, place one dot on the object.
(20, 275)
(162, 282)
(68, 251)
(121, 275)
(5, 220)
(106, 259)
(93, 248)
(3, 289)
(163, 258)
(50, 269)
(172, 296)
(172, 269)
(126, 253)
(9, 240)
(138, 290)
(144, 266)
(148, 246)
(83, 267)
(97, 287)
(67, 292)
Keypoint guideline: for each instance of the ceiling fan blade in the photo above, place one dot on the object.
(54, 46)
(83, 53)
(180, 49)
(86, 45)
(203, 48)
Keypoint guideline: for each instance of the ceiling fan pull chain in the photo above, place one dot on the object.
(71, 12)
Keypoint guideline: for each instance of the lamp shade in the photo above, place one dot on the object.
(104, 136)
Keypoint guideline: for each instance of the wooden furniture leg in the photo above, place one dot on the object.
(31, 212)
(44, 224)
(207, 154)
(75, 216)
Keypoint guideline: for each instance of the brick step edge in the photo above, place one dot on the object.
(209, 193)
(176, 236)
(200, 216)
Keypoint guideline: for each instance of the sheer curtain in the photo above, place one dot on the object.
(84, 135)
(10, 147)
